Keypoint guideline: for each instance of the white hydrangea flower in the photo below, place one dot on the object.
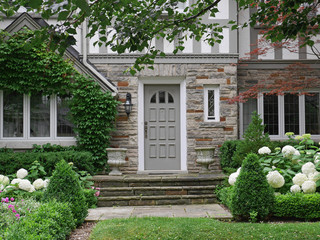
(295, 189)
(46, 183)
(1, 187)
(32, 189)
(299, 179)
(264, 150)
(232, 178)
(308, 168)
(277, 194)
(22, 173)
(38, 184)
(314, 176)
(309, 187)
(275, 179)
(15, 181)
(4, 180)
(288, 151)
(316, 158)
(25, 184)
(296, 153)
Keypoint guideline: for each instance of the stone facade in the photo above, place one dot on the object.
(199, 132)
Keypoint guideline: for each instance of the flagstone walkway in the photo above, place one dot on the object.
(203, 210)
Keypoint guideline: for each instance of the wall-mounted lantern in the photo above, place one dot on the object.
(128, 104)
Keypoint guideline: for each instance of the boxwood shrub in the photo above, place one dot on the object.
(252, 194)
(299, 205)
(52, 220)
(227, 151)
(65, 186)
(10, 163)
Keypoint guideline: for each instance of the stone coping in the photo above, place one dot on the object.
(143, 177)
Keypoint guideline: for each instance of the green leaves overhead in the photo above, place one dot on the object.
(283, 20)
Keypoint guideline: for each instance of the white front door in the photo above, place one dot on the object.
(162, 145)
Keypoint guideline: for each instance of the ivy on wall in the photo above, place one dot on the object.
(30, 70)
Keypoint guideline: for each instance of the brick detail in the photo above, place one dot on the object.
(202, 77)
(123, 84)
(199, 88)
(228, 81)
(222, 119)
(226, 129)
(224, 98)
(204, 139)
(220, 69)
(122, 118)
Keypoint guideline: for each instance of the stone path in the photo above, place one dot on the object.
(203, 210)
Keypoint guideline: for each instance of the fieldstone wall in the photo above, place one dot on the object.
(307, 75)
(199, 133)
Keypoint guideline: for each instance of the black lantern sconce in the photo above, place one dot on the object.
(128, 104)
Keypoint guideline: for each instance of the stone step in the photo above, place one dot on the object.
(156, 190)
(104, 181)
(156, 200)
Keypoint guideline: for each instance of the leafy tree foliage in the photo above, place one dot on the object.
(284, 20)
(137, 22)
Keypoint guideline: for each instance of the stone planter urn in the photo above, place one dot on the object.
(116, 159)
(204, 157)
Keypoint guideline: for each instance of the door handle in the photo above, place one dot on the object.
(145, 129)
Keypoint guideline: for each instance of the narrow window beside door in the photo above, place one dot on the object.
(211, 103)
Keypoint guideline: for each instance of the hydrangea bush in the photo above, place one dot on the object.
(21, 183)
(296, 165)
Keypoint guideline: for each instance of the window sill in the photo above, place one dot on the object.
(28, 144)
(212, 125)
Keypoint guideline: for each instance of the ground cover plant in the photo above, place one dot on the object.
(200, 228)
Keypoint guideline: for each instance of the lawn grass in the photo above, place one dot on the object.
(201, 228)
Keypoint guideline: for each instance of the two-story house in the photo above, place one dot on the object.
(183, 102)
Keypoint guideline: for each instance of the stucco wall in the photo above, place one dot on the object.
(199, 133)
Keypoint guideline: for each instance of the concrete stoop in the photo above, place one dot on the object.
(146, 190)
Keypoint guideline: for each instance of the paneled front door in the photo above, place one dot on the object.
(162, 127)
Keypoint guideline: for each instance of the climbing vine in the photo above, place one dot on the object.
(29, 70)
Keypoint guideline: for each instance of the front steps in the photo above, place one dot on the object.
(141, 190)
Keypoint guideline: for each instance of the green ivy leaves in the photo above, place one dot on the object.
(39, 70)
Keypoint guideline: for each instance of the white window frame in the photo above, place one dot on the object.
(216, 89)
(27, 141)
(281, 121)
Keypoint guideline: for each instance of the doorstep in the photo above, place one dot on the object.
(191, 211)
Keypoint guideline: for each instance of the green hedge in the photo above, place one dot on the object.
(10, 163)
(52, 220)
(299, 205)
(225, 195)
(227, 151)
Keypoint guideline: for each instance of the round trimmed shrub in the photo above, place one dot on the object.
(64, 186)
(252, 195)
(52, 220)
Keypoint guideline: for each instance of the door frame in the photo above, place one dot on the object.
(183, 121)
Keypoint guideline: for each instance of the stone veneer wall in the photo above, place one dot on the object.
(248, 76)
(199, 133)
